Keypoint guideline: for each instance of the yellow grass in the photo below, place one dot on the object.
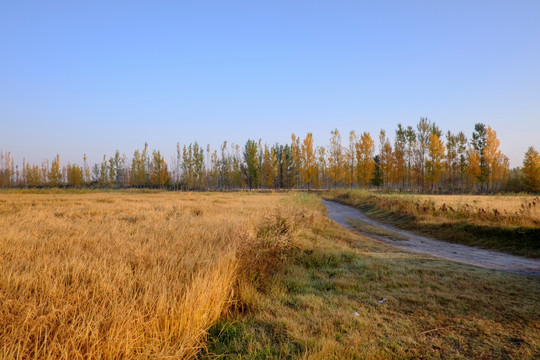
(510, 204)
(122, 275)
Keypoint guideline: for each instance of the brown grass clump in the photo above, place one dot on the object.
(110, 276)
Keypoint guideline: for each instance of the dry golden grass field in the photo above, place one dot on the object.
(167, 275)
(118, 275)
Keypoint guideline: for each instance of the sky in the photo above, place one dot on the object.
(90, 77)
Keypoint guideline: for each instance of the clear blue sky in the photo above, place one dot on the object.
(94, 76)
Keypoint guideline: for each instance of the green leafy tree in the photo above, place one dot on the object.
(377, 179)
(478, 142)
(461, 149)
(252, 163)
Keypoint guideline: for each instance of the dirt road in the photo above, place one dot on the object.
(466, 254)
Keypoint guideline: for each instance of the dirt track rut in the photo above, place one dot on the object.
(466, 254)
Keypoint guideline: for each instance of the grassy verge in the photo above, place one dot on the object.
(516, 233)
(324, 303)
(367, 228)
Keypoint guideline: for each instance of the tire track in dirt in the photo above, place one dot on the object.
(416, 243)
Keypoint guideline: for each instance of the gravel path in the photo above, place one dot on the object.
(466, 254)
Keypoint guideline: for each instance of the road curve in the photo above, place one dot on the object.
(466, 254)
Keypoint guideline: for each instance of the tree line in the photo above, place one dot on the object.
(420, 159)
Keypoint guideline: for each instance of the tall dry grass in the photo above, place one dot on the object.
(112, 276)
(496, 210)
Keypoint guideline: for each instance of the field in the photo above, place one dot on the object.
(506, 223)
(166, 275)
(119, 275)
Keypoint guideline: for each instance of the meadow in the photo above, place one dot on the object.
(508, 223)
(119, 275)
(166, 275)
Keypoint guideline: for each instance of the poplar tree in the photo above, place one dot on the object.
(309, 164)
(139, 167)
(478, 143)
(474, 169)
(531, 170)
(451, 158)
(75, 175)
(495, 161)
(177, 163)
(410, 135)
(275, 166)
(461, 149)
(86, 169)
(33, 175)
(365, 150)
(350, 160)
(268, 168)
(187, 166)
(103, 178)
(55, 175)
(434, 163)
(422, 136)
(284, 157)
(295, 164)
(159, 174)
(400, 144)
(377, 179)
(45, 172)
(335, 158)
(252, 163)
(198, 165)
(238, 180)
(322, 165)
(385, 159)
(6, 169)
